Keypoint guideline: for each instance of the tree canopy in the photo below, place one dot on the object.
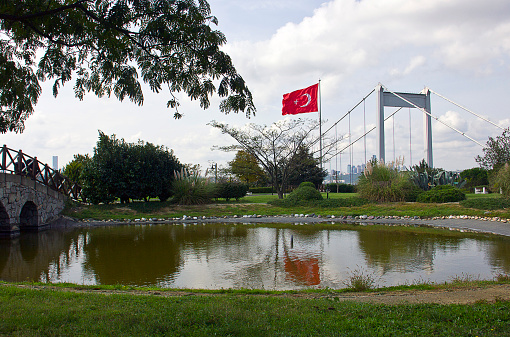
(246, 168)
(128, 171)
(496, 153)
(305, 168)
(274, 146)
(109, 47)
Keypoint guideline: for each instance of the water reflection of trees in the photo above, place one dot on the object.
(403, 251)
(37, 256)
(499, 254)
(146, 255)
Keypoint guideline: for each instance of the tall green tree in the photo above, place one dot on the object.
(305, 168)
(246, 168)
(110, 47)
(128, 171)
(74, 168)
(496, 152)
(475, 176)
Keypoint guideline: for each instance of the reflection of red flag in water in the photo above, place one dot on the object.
(301, 101)
(303, 270)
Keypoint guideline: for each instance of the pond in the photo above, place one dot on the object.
(271, 257)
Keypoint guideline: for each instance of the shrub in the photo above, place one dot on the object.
(442, 193)
(229, 190)
(341, 188)
(305, 193)
(385, 183)
(262, 189)
(486, 203)
(326, 203)
(191, 189)
(306, 183)
(359, 280)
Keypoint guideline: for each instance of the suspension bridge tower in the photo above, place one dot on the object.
(404, 100)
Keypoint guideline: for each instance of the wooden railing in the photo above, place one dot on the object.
(16, 162)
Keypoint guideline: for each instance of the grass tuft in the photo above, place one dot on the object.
(360, 280)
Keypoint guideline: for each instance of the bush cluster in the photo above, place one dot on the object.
(442, 193)
(385, 183)
(325, 203)
(231, 190)
(191, 189)
(305, 192)
(486, 203)
(262, 189)
(341, 188)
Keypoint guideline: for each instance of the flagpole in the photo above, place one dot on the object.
(320, 124)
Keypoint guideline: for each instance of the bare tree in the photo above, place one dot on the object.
(274, 146)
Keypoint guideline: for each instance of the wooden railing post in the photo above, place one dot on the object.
(20, 162)
(4, 157)
(33, 169)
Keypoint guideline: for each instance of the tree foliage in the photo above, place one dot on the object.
(110, 47)
(304, 167)
(475, 176)
(496, 153)
(246, 168)
(128, 171)
(502, 180)
(74, 168)
(274, 146)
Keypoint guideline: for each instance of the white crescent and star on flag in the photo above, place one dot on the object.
(308, 97)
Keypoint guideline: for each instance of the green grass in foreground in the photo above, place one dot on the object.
(257, 204)
(29, 312)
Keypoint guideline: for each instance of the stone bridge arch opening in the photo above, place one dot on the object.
(4, 216)
(29, 217)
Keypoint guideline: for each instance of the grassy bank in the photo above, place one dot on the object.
(258, 204)
(46, 311)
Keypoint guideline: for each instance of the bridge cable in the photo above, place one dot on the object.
(364, 130)
(350, 151)
(348, 112)
(410, 138)
(471, 112)
(357, 139)
(394, 156)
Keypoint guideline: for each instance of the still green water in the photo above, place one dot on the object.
(216, 256)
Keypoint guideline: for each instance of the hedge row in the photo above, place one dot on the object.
(341, 188)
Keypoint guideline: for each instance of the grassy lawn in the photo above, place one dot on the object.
(49, 312)
(257, 204)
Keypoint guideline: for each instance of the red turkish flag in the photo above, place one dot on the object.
(301, 101)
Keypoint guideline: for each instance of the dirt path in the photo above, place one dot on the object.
(463, 295)
(451, 295)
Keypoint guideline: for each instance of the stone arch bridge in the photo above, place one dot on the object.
(31, 193)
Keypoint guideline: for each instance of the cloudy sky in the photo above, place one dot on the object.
(459, 49)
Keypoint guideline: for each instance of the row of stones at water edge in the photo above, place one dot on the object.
(299, 216)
